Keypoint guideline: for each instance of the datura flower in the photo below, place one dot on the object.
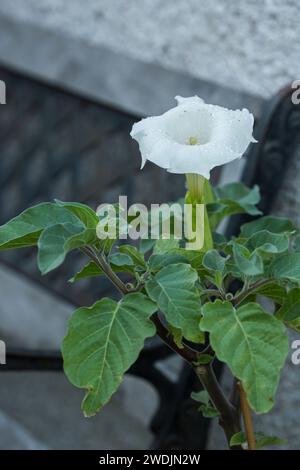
(194, 137)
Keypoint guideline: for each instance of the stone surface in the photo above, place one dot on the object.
(42, 410)
(249, 45)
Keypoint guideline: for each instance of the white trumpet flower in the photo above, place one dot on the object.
(194, 137)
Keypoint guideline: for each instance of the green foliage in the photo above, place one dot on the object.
(91, 269)
(268, 242)
(270, 223)
(250, 264)
(173, 289)
(53, 247)
(233, 198)
(25, 229)
(260, 438)
(103, 341)
(84, 213)
(289, 312)
(252, 343)
(206, 408)
(162, 276)
(286, 266)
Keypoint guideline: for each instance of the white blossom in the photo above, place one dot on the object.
(194, 137)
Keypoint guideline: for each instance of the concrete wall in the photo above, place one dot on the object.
(252, 46)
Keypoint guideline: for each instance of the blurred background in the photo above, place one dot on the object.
(77, 75)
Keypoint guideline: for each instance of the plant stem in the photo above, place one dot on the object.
(247, 418)
(229, 416)
(104, 265)
(240, 297)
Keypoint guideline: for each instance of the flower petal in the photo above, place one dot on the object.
(194, 137)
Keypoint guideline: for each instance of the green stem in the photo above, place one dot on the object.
(200, 192)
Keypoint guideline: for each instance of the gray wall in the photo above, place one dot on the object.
(252, 46)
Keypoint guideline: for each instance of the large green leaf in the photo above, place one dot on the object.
(84, 213)
(103, 341)
(286, 266)
(52, 245)
(270, 223)
(173, 288)
(252, 343)
(25, 229)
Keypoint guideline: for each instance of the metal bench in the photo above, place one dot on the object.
(55, 144)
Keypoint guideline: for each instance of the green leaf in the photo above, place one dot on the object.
(176, 335)
(92, 269)
(250, 264)
(207, 409)
(286, 266)
(261, 439)
(103, 341)
(89, 270)
(201, 397)
(134, 254)
(120, 262)
(234, 198)
(164, 245)
(25, 229)
(120, 259)
(296, 243)
(238, 439)
(270, 223)
(52, 245)
(84, 213)
(220, 240)
(252, 343)
(290, 309)
(173, 288)
(86, 237)
(213, 261)
(273, 291)
(157, 262)
(268, 242)
(194, 257)
(146, 245)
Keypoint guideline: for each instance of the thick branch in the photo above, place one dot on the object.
(187, 353)
(229, 416)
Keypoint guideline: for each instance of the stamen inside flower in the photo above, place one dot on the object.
(193, 141)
